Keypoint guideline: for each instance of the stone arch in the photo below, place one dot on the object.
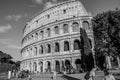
(75, 26)
(48, 32)
(78, 65)
(35, 52)
(48, 64)
(76, 44)
(67, 66)
(56, 29)
(85, 25)
(57, 47)
(57, 66)
(42, 34)
(41, 66)
(62, 65)
(64, 11)
(41, 49)
(66, 46)
(65, 28)
(48, 48)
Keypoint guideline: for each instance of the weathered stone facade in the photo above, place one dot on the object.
(51, 40)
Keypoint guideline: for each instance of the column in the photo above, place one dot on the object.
(52, 47)
(60, 65)
(61, 46)
(70, 28)
(52, 66)
(31, 66)
(44, 66)
(37, 65)
(71, 45)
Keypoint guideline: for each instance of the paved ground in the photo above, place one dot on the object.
(99, 76)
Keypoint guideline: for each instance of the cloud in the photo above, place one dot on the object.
(5, 28)
(54, 1)
(37, 1)
(16, 17)
(45, 3)
(49, 4)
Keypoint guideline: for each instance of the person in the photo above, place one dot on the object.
(9, 74)
(92, 73)
(108, 76)
(54, 75)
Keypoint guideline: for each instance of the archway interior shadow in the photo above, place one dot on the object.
(70, 78)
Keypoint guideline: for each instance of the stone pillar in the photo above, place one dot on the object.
(31, 66)
(60, 65)
(52, 65)
(37, 49)
(71, 45)
(60, 29)
(44, 66)
(37, 65)
(61, 46)
(52, 47)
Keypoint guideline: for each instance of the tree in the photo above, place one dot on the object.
(18, 64)
(106, 28)
(4, 57)
(86, 52)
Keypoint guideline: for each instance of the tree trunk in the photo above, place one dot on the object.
(118, 61)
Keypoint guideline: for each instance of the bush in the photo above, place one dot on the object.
(23, 74)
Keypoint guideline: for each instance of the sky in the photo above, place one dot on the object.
(14, 14)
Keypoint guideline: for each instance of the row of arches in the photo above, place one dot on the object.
(56, 31)
(59, 66)
(53, 14)
(48, 48)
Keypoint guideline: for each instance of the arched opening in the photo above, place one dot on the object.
(57, 66)
(66, 46)
(48, 32)
(78, 65)
(64, 11)
(41, 66)
(65, 28)
(35, 52)
(75, 27)
(57, 48)
(76, 45)
(56, 30)
(85, 25)
(63, 66)
(41, 49)
(35, 66)
(67, 66)
(42, 34)
(48, 67)
(48, 48)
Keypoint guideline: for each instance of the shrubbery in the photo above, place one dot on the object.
(23, 74)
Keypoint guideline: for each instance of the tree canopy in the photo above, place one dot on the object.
(106, 29)
(4, 57)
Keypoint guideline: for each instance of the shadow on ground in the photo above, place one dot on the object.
(70, 78)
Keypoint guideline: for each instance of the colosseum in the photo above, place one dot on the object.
(51, 40)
